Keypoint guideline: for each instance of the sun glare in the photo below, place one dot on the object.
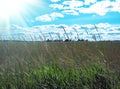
(11, 7)
(8, 7)
(17, 12)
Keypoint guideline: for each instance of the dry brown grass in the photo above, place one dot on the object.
(63, 53)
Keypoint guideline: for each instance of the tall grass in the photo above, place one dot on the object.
(57, 77)
(59, 65)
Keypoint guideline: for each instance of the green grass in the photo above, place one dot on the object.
(59, 65)
(56, 77)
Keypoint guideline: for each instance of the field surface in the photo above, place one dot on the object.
(59, 65)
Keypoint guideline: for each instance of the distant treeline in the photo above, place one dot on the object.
(66, 40)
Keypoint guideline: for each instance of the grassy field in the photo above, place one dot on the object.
(59, 65)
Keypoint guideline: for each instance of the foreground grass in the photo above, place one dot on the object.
(59, 65)
(56, 77)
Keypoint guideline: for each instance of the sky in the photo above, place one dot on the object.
(87, 18)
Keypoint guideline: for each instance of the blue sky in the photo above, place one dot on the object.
(48, 15)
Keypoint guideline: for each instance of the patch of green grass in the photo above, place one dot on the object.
(57, 77)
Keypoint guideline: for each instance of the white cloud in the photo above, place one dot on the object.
(55, 15)
(56, 6)
(115, 7)
(88, 2)
(71, 12)
(103, 28)
(49, 17)
(67, 5)
(118, 1)
(75, 7)
(73, 3)
(55, 0)
(107, 31)
(44, 18)
(103, 25)
(100, 8)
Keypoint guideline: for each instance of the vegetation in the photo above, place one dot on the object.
(59, 65)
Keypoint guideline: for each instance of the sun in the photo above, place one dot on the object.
(19, 12)
(12, 7)
(8, 7)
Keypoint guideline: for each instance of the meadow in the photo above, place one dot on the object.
(59, 65)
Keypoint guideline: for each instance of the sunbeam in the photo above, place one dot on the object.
(16, 10)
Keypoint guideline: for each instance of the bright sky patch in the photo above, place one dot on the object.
(10, 7)
(35, 13)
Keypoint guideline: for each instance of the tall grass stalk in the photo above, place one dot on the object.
(97, 31)
(66, 33)
(76, 33)
(51, 36)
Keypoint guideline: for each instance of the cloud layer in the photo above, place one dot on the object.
(77, 7)
(99, 7)
(49, 17)
(88, 31)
